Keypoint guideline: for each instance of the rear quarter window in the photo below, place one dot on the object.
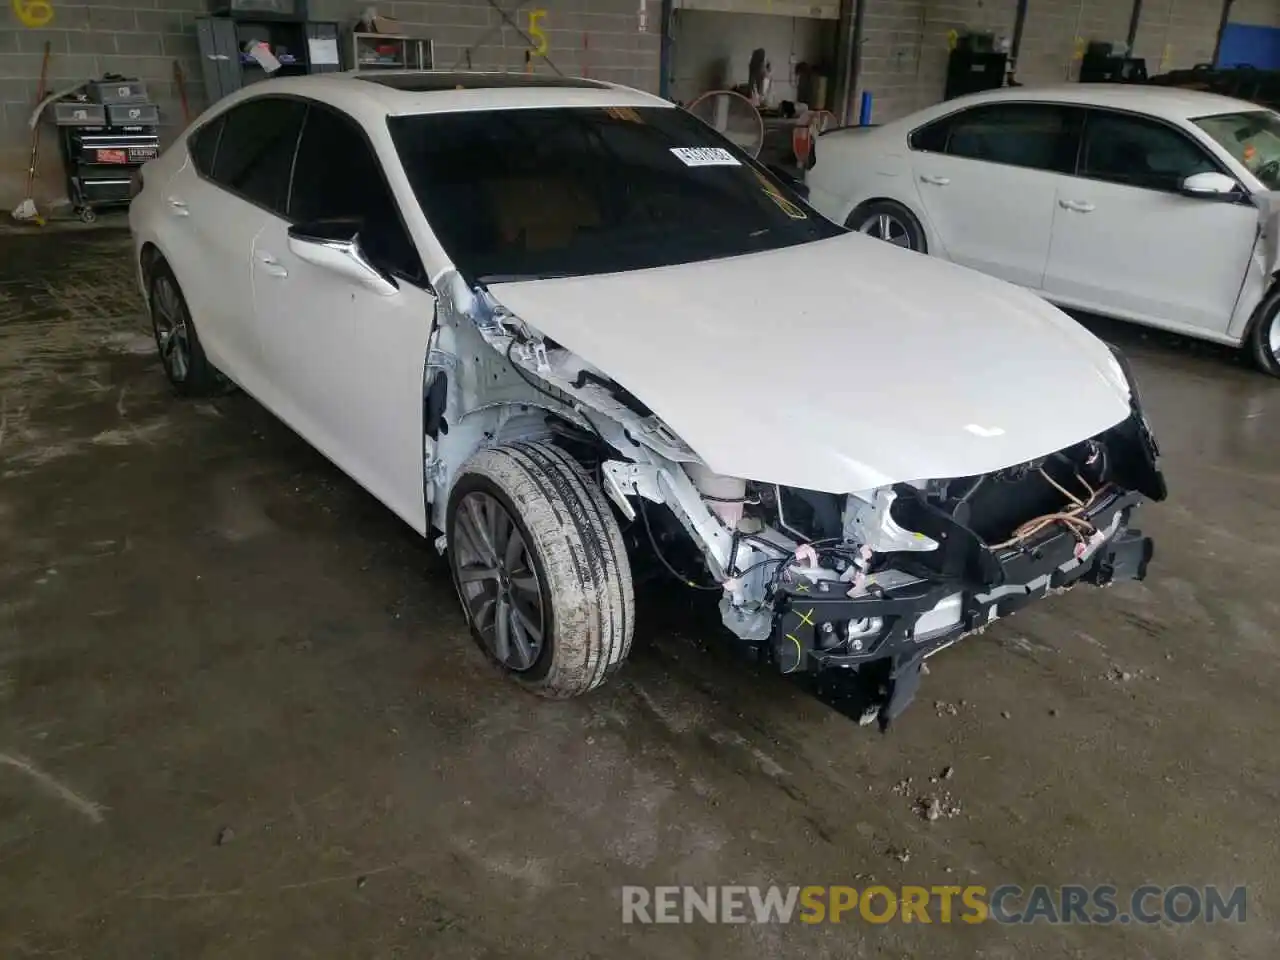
(203, 145)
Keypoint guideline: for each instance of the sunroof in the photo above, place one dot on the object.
(430, 81)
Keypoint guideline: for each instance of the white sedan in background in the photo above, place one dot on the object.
(1144, 203)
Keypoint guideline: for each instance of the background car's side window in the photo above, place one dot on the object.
(255, 152)
(203, 145)
(1139, 152)
(1041, 136)
(932, 137)
(337, 176)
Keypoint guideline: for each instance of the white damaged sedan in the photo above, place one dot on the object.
(565, 329)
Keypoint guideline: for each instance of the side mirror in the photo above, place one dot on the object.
(335, 245)
(1210, 185)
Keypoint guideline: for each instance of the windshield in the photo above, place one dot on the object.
(529, 194)
(1252, 137)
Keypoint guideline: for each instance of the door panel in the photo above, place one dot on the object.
(990, 217)
(345, 364)
(210, 234)
(987, 178)
(1126, 242)
(345, 367)
(235, 180)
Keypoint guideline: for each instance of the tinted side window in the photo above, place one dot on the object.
(203, 145)
(255, 153)
(338, 177)
(1019, 134)
(1139, 152)
(932, 137)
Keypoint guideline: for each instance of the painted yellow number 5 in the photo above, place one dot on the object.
(33, 13)
(535, 31)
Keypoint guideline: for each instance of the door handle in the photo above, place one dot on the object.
(178, 207)
(1079, 206)
(271, 265)
(936, 181)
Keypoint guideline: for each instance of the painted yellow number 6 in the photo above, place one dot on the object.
(535, 30)
(33, 13)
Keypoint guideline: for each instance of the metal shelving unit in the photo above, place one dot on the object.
(380, 51)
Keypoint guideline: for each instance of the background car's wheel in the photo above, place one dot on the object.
(540, 567)
(180, 352)
(889, 221)
(1264, 334)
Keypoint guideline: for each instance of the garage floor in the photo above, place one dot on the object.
(240, 716)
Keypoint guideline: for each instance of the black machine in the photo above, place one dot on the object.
(107, 132)
(975, 65)
(1110, 63)
(1244, 83)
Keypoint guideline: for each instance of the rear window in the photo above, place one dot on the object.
(539, 193)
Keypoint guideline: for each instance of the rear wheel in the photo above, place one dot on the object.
(181, 354)
(891, 222)
(1264, 335)
(539, 565)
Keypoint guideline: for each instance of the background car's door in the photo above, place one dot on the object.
(237, 178)
(346, 363)
(987, 178)
(1127, 242)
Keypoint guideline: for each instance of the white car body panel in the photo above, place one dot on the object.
(927, 370)
(992, 218)
(1147, 253)
(343, 367)
(1160, 259)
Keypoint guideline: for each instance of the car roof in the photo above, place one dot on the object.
(373, 96)
(1170, 103)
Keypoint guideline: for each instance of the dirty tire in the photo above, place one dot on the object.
(578, 556)
(904, 229)
(174, 330)
(1264, 335)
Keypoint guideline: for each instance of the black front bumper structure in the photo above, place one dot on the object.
(809, 628)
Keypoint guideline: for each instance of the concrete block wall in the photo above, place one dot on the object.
(143, 38)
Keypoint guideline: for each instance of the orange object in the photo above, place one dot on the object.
(801, 143)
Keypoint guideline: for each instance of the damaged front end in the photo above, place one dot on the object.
(813, 582)
(986, 547)
(826, 584)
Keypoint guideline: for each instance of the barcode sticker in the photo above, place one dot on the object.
(705, 157)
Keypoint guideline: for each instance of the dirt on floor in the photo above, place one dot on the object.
(240, 714)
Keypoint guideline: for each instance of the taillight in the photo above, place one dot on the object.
(135, 183)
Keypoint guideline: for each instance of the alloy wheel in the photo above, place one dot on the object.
(171, 328)
(497, 581)
(887, 227)
(1273, 335)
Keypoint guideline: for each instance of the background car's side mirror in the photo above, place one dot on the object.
(1210, 185)
(335, 245)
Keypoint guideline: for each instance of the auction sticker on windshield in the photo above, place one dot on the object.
(705, 157)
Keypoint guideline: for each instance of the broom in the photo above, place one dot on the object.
(26, 210)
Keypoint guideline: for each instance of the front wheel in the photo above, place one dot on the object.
(891, 222)
(1264, 335)
(540, 567)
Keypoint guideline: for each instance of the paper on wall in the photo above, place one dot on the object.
(323, 50)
